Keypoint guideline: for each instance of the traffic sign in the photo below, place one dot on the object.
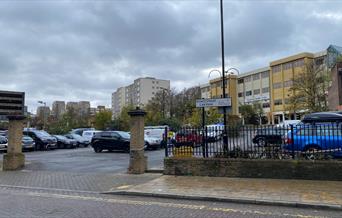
(214, 102)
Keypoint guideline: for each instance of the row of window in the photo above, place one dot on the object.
(286, 84)
(257, 76)
(288, 65)
(255, 92)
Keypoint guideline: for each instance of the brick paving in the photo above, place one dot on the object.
(289, 192)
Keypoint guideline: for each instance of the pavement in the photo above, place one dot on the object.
(294, 193)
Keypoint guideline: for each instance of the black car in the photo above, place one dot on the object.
(64, 142)
(81, 141)
(27, 143)
(266, 136)
(42, 139)
(111, 140)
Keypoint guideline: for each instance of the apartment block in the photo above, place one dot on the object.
(43, 112)
(205, 90)
(139, 93)
(58, 109)
(71, 105)
(84, 108)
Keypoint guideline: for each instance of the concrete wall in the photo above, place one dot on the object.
(276, 169)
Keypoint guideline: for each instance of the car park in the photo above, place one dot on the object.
(111, 140)
(3, 143)
(42, 139)
(28, 143)
(81, 141)
(64, 142)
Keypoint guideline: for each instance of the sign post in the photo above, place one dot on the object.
(12, 107)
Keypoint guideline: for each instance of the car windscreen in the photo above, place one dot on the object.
(75, 136)
(42, 134)
(124, 135)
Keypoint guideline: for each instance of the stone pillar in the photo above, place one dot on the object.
(137, 161)
(14, 159)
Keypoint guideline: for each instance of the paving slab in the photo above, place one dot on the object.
(301, 193)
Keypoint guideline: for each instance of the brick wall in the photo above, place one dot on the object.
(276, 169)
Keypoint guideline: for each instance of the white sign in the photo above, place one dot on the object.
(215, 102)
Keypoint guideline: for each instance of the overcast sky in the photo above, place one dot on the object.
(85, 50)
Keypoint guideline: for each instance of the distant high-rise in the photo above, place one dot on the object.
(84, 108)
(138, 93)
(43, 112)
(58, 109)
(72, 106)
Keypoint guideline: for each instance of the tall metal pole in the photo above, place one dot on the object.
(225, 140)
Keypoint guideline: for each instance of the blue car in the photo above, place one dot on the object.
(323, 139)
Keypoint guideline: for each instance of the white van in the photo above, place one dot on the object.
(155, 132)
(88, 134)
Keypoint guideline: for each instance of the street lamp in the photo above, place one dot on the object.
(44, 116)
(163, 104)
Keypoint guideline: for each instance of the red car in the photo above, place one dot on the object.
(188, 137)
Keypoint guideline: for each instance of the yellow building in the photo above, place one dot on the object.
(230, 89)
(282, 74)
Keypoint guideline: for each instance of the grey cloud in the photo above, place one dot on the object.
(84, 50)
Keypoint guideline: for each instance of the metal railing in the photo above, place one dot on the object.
(305, 141)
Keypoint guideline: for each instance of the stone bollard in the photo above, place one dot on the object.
(137, 161)
(14, 159)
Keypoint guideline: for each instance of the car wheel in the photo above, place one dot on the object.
(97, 149)
(312, 153)
(262, 142)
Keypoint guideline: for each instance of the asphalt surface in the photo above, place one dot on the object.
(16, 202)
(86, 160)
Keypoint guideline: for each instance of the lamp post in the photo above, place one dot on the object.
(44, 115)
(163, 104)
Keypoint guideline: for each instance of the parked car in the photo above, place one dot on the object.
(315, 139)
(156, 132)
(188, 137)
(28, 143)
(111, 140)
(64, 142)
(152, 142)
(268, 135)
(288, 123)
(214, 132)
(81, 141)
(3, 143)
(3, 132)
(323, 117)
(42, 139)
(89, 134)
(79, 131)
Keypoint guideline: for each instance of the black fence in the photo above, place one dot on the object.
(305, 141)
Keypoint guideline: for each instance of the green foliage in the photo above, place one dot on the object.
(122, 122)
(103, 119)
(249, 114)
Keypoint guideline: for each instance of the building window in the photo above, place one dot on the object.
(287, 101)
(240, 94)
(265, 105)
(298, 63)
(152, 93)
(278, 102)
(248, 93)
(265, 74)
(256, 76)
(287, 66)
(277, 85)
(240, 81)
(157, 82)
(276, 69)
(265, 90)
(319, 61)
(247, 79)
(152, 82)
(256, 91)
(288, 83)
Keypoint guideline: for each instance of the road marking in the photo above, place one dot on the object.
(162, 204)
(48, 189)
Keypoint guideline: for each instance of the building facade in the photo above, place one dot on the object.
(139, 93)
(335, 90)
(58, 109)
(43, 112)
(230, 90)
(84, 108)
(205, 90)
